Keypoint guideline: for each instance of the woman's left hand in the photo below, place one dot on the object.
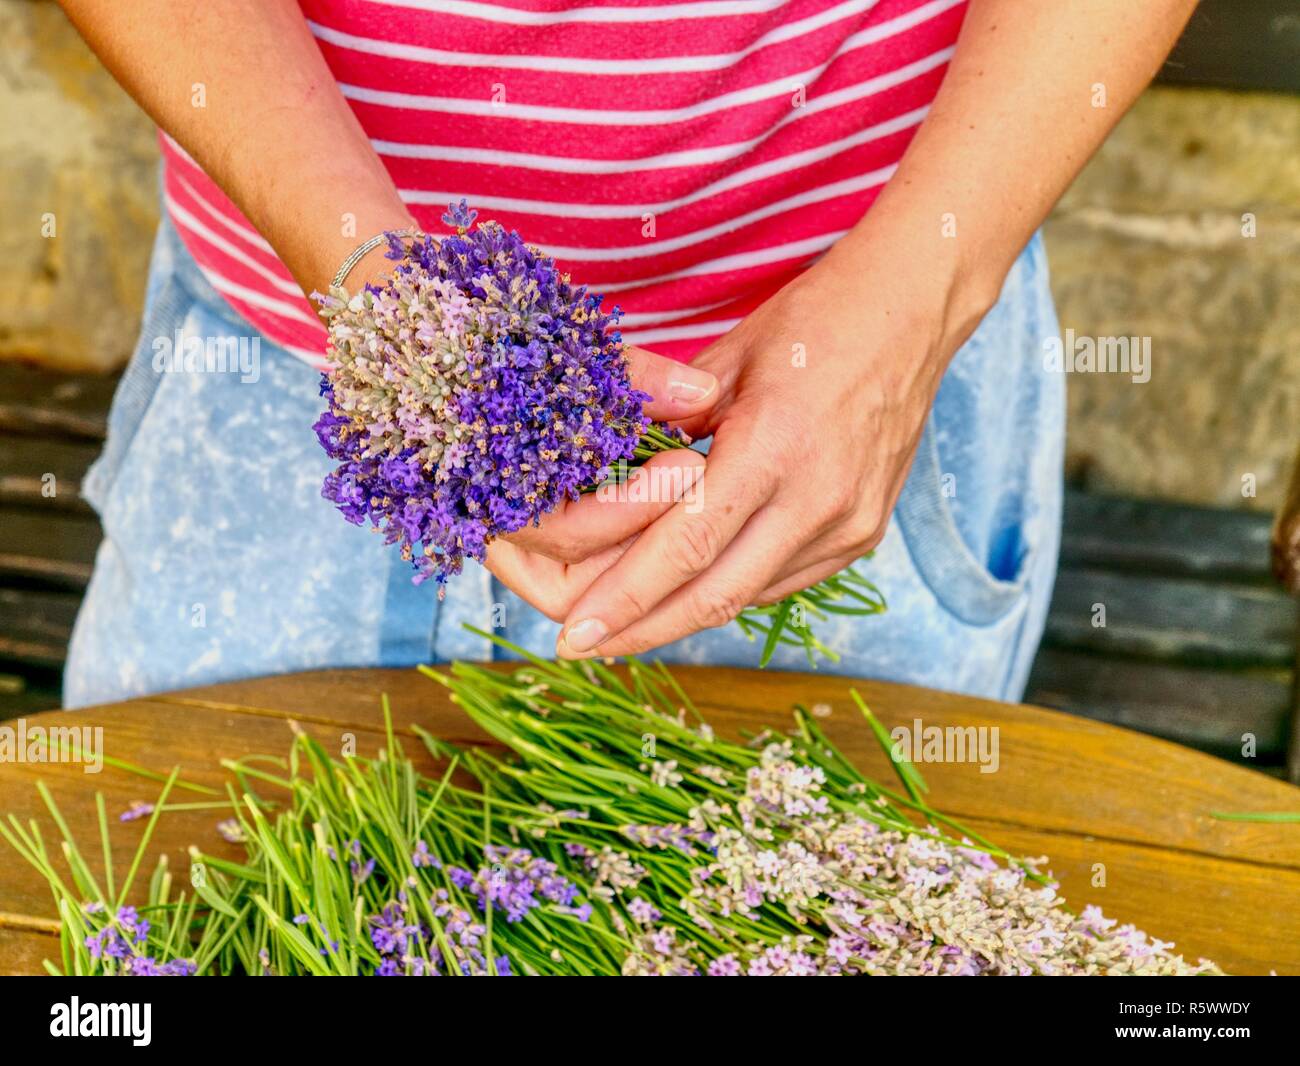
(825, 390)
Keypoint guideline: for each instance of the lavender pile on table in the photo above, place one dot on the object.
(469, 393)
(610, 830)
(774, 856)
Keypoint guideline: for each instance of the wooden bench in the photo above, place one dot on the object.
(1198, 643)
(1238, 44)
(49, 425)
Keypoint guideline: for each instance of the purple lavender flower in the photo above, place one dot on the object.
(145, 966)
(361, 870)
(107, 944)
(138, 809)
(390, 932)
(459, 216)
(135, 926)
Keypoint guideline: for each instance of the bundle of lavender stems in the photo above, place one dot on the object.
(615, 834)
(474, 388)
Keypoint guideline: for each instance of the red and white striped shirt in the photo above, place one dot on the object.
(685, 159)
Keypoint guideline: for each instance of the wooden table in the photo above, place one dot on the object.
(1095, 798)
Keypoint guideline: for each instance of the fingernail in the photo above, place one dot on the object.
(690, 385)
(584, 635)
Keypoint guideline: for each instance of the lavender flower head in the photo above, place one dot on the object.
(469, 393)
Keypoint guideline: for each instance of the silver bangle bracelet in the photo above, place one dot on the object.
(368, 246)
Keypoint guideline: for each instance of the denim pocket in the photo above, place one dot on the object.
(958, 580)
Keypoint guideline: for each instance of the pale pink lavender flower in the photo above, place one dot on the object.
(874, 900)
(231, 831)
(643, 912)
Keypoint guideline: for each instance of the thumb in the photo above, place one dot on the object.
(677, 390)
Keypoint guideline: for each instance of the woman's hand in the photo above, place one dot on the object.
(825, 393)
(826, 387)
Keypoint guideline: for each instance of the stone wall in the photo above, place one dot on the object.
(1148, 243)
(75, 148)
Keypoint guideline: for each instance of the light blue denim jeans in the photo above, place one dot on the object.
(221, 561)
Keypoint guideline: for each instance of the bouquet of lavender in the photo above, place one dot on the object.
(617, 834)
(474, 389)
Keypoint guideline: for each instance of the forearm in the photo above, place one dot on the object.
(1013, 124)
(274, 132)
